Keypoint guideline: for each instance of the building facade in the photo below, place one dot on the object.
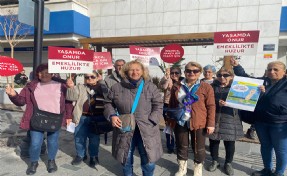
(114, 18)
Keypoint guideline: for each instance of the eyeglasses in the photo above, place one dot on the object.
(88, 77)
(191, 71)
(224, 75)
(207, 72)
(270, 69)
(176, 73)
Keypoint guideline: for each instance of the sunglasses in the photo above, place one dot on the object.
(176, 73)
(224, 75)
(191, 71)
(92, 77)
(270, 69)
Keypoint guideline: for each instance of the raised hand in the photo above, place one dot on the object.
(70, 83)
(233, 62)
(10, 91)
(167, 72)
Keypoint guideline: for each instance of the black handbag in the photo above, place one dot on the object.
(45, 121)
(100, 125)
(176, 113)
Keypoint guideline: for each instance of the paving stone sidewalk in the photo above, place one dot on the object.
(246, 159)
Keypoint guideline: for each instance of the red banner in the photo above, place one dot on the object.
(238, 43)
(61, 53)
(171, 53)
(147, 56)
(102, 60)
(236, 37)
(144, 51)
(70, 60)
(9, 66)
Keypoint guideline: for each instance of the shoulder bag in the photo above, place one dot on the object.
(44, 120)
(128, 120)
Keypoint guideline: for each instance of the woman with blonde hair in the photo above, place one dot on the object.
(196, 102)
(138, 98)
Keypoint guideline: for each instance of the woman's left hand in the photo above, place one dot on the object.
(210, 130)
(262, 88)
(222, 103)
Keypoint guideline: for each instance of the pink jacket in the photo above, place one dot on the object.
(24, 98)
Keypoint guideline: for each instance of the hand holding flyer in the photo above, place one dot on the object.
(244, 93)
(71, 126)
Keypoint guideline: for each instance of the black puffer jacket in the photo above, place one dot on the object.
(228, 126)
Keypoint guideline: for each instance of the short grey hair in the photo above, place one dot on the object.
(120, 60)
(209, 67)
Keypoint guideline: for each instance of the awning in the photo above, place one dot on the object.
(190, 39)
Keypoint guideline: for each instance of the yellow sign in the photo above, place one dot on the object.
(267, 56)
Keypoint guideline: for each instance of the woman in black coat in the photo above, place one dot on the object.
(228, 126)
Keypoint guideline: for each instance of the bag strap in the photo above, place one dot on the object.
(135, 104)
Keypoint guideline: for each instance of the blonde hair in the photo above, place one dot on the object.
(193, 64)
(126, 68)
(223, 69)
(277, 63)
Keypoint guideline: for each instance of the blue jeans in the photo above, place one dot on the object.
(36, 143)
(82, 132)
(147, 168)
(273, 136)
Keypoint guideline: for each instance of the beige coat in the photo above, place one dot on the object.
(79, 94)
(166, 85)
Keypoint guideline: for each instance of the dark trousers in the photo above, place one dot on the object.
(197, 143)
(169, 137)
(229, 150)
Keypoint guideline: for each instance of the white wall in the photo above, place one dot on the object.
(110, 18)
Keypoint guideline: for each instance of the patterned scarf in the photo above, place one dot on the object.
(190, 97)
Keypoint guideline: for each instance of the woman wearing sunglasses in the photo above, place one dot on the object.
(89, 105)
(196, 99)
(172, 75)
(271, 117)
(228, 126)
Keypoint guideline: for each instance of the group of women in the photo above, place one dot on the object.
(222, 122)
(201, 103)
(205, 115)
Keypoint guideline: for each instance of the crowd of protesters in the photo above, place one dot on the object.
(193, 109)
